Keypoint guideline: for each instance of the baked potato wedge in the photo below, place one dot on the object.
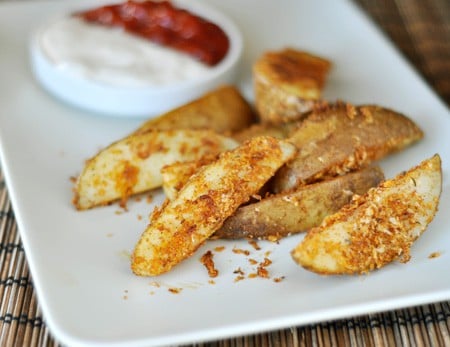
(341, 138)
(376, 228)
(287, 213)
(132, 165)
(222, 110)
(288, 83)
(208, 198)
(175, 176)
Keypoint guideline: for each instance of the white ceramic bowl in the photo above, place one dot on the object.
(138, 101)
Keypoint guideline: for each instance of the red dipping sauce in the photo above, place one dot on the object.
(164, 24)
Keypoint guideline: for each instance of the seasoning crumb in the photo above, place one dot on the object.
(254, 244)
(119, 212)
(239, 271)
(253, 275)
(208, 262)
(278, 279)
(241, 251)
(212, 282)
(219, 249)
(149, 198)
(252, 261)
(139, 217)
(434, 255)
(175, 290)
(239, 278)
(73, 179)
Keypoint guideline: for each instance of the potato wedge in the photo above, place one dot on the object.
(341, 138)
(175, 176)
(222, 110)
(283, 214)
(133, 165)
(207, 199)
(288, 83)
(376, 228)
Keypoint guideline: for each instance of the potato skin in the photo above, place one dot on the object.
(283, 214)
(223, 110)
(340, 138)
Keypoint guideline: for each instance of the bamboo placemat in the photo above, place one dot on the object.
(421, 31)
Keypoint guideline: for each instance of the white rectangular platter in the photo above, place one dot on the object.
(80, 260)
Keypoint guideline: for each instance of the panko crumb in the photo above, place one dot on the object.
(239, 278)
(434, 255)
(254, 244)
(241, 251)
(174, 290)
(208, 262)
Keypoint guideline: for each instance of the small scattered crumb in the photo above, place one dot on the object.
(241, 251)
(175, 290)
(109, 235)
(219, 249)
(138, 198)
(239, 278)
(212, 282)
(155, 284)
(253, 261)
(434, 255)
(253, 275)
(262, 272)
(73, 179)
(254, 244)
(139, 217)
(119, 212)
(239, 271)
(208, 262)
(149, 198)
(278, 279)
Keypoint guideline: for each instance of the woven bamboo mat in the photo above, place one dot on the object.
(421, 31)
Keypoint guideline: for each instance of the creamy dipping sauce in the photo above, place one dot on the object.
(113, 56)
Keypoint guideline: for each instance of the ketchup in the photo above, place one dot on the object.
(164, 24)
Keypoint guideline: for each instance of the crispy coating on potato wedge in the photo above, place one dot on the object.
(287, 213)
(133, 165)
(341, 138)
(208, 198)
(222, 110)
(175, 176)
(376, 228)
(288, 83)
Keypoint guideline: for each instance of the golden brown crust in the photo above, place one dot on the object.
(340, 138)
(284, 214)
(287, 83)
(223, 110)
(376, 228)
(132, 165)
(207, 199)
